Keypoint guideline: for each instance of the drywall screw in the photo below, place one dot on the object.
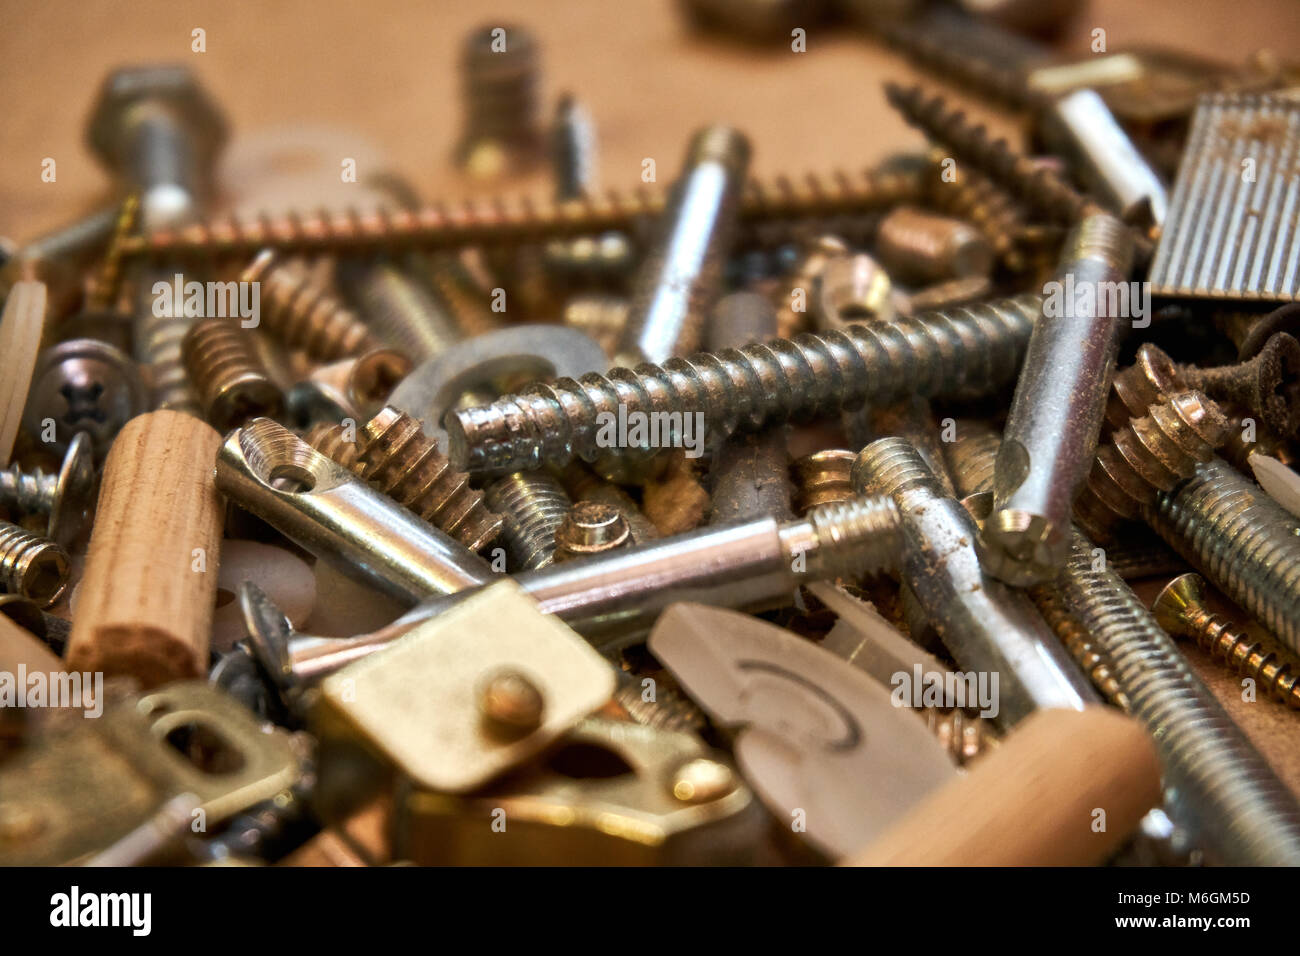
(591, 527)
(1246, 544)
(1055, 419)
(1219, 784)
(400, 308)
(1180, 609)
(1148, 455)
(232, 384)
(107, 283)
(1267, 386)
(973, 348)
(920, 247)
(749, 473)
(302, 314)
(682, 274)
(31, 566)
(974, 198)
(779, 200)
(600, 315)
(823, 478)
(67, 497)
(987, 626)
(584, 485)
(793, 304)
(157, 130)
(158, 337)
(511, 704)
(394, 455)
(965, 738)
(573, 149)
(534, 505)
(499, 72)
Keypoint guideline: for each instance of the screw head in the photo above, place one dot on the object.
(74, 494)
(1174, 605)
(511, 704)
(591, 527)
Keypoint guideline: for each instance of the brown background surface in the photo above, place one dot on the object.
(376, 81)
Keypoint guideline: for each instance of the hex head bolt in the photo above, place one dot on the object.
(986, 625)
(1055, 420)
(1181, 610)
(67, 497)
(975, 348)
(157, 130)
(1245, 544)
(1215, 781)
(682, 274)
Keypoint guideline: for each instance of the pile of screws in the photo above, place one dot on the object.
(741, 521)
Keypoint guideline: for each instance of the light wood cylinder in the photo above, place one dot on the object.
(145, 604)
(1035, 800)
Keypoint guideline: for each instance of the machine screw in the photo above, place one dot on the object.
(921, 248)
(1246, 544)
(232, 384)
(31, 566)
(973, 348)
(67, 497)
(304, 316)
(591, 527)
(1180, 609)
(822, 478)
(500, 71)
(534, 505)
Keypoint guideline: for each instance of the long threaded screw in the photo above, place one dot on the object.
(302, 315)
(1148, 455)
(1241, 812)
(976, 348)
(444, 226)
(1245, 543)
(31, 566)
(1180, 609)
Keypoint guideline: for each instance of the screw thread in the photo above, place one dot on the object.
(29, 491)
(108, 280)
(1268, 385)
(1085, 651)
(822, 478)
(329, 439)
(1246, 544)
(1148, 381)
(1149, 455)
(499, 75)
(986, 206)
(232, 384)
(1247, 814)
(971, 458)
(892, 466)
(534, 506)
(972, 348)
(1272, 667)
(304, 316)
(524, 220)
(158, 341)
(853, 539)
(924, 247)
(31, 566)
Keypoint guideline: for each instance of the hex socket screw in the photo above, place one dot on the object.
(31, 566)
(1245, 544)
(1217, 782)
(1180, 609)
(1055, 419)
(67, 497)
(683, 271)
(976, 348)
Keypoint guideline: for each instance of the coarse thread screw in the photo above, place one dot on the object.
(467, 305)
(1180, 609)
(500, 70)
(393, 454)
(31, 566)
(302, 315)
(782, 199)
(1246, 544)
(1151, 379)
(823, 478)
(232, 384)
(158, 349)
(987, 207)
(67, 496)
(534, 506)
(972, 348)
(1243, 813)
(921, 247)
(591, 528)
(1148, 455)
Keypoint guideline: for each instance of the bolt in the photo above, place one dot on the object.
(921, 247)
(591, 527)
(1148, 455)
(302, 315)
(987, 626)
(1216, 782)
(83, 385)
(1180, 609)
(67, 497)
(500, 73)
(1055, 418)
(682, 274)
(702, 780)
(534, 505)
(1246, 544)
(393, 454)
(511, 704)
(156, 129)
(973, 348)
(31, 566)
(573, 149)
(823, 478)
(232, 384)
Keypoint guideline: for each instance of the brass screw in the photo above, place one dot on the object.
(988, 208)
(1180, 609)
(511, 704)
(591, 527)
(302, 315)
(822, 478)
(500, 71)
(232, 384)
(921, 247)
(702, 780)
(31, 566)
(107, 282)
(1090, 657)
(533, 504)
